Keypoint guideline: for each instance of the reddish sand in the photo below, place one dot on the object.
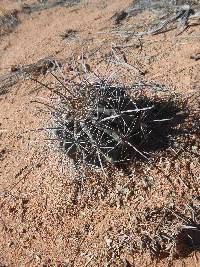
(44, 219)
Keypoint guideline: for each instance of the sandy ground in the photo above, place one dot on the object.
(45, 220)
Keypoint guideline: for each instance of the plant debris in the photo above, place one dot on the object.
(119, 16)
(179, 18)
(68, 34)
(42, 5)
(8, 21)
(157, 6)
(41, 67)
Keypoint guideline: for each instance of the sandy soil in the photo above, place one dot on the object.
(47, 219)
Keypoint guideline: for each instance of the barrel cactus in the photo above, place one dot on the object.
(102, 123)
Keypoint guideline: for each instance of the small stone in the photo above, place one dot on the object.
(108, 242)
